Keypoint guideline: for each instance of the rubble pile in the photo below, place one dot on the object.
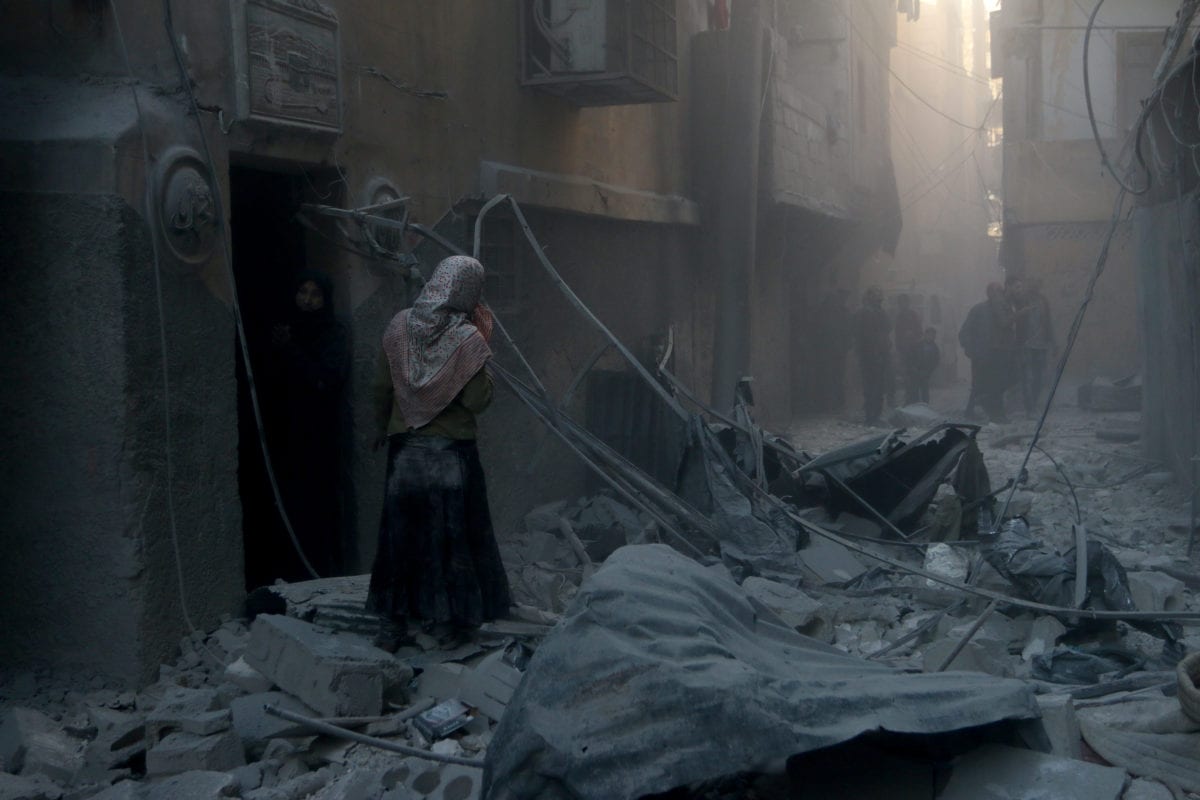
(868, 605)
(208, 727)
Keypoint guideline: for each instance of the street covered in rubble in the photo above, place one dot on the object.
(794, 605)
(600, 400)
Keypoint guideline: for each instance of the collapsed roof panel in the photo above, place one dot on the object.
(664, 673)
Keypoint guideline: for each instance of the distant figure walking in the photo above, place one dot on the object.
(925, 359)
(872, 339)
(986, 337)
(1035, 339)
(908, 337)
(836, 334)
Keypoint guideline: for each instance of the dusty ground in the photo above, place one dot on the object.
(1132, 505)
(1148, 511)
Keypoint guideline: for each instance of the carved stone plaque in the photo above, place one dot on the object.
(286, 63)
(187, 216)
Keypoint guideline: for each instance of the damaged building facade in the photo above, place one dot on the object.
(654, 185)
(1057, 201)
(1165, 223)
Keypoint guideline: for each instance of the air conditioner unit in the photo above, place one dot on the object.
(600, 52)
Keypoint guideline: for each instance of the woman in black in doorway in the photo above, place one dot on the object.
(310, 361)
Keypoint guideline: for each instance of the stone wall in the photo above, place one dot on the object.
(1168, 300)
(89, 576)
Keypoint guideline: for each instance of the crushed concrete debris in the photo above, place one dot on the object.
(201, 729)
(656, 637)
(995, 772)
(338, 676)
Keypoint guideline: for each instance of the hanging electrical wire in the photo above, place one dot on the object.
(219, 213)
(168, 450)
(1087, 96)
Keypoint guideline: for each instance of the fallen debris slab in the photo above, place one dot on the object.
(661, 674)
(188, 752)
(1151, 739)
(335, 674)
(1106, 394)
(996, 772)
(32, 743)
(33, 787)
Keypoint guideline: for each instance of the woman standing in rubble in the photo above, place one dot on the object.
(437, 561)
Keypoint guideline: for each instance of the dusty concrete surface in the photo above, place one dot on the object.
(92, 576)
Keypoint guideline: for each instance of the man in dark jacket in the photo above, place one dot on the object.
(987, 338)
(1035, 339)
(908, 332)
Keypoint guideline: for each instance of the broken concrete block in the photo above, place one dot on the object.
(605, 524)
(248, 777)
(1043, 636)
(546, 517)
(195, 711)
(441, 681)
(125, 790)
(996, 772)
(246, 677)
(295, 788)
(231, 640)
(358, 784)
(1155, 591)
(794, 607)
(338, 675)
(120, 741)
(446, 782)
(824, 561)
(31, 787)
(199, 785)
(490, 685)
(914, 415)
(32, 743)
(185, 752)
(980, 655)
(255, 727)
(1143, 789)
(1107, 394)
(1061, 725)
(856, 525)
(946, 561)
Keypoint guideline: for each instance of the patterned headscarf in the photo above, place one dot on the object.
(438, 345)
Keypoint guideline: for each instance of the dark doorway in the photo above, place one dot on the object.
(299, 352)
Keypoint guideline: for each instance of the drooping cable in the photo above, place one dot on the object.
(1072, 336)
(1087, 96)
(168, 460)
(218, 207)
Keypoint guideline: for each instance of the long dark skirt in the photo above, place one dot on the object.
(437, 559)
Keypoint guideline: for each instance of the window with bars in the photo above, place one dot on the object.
(601, 52)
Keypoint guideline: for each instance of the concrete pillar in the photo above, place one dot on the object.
(728, 81)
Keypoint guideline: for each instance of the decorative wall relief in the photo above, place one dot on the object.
(186, 214)
(286, 63)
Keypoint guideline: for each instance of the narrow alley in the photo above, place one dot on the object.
(600, 399)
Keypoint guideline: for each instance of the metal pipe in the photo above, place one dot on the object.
(382, 744)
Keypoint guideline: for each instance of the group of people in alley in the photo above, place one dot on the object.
(1008, 338)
